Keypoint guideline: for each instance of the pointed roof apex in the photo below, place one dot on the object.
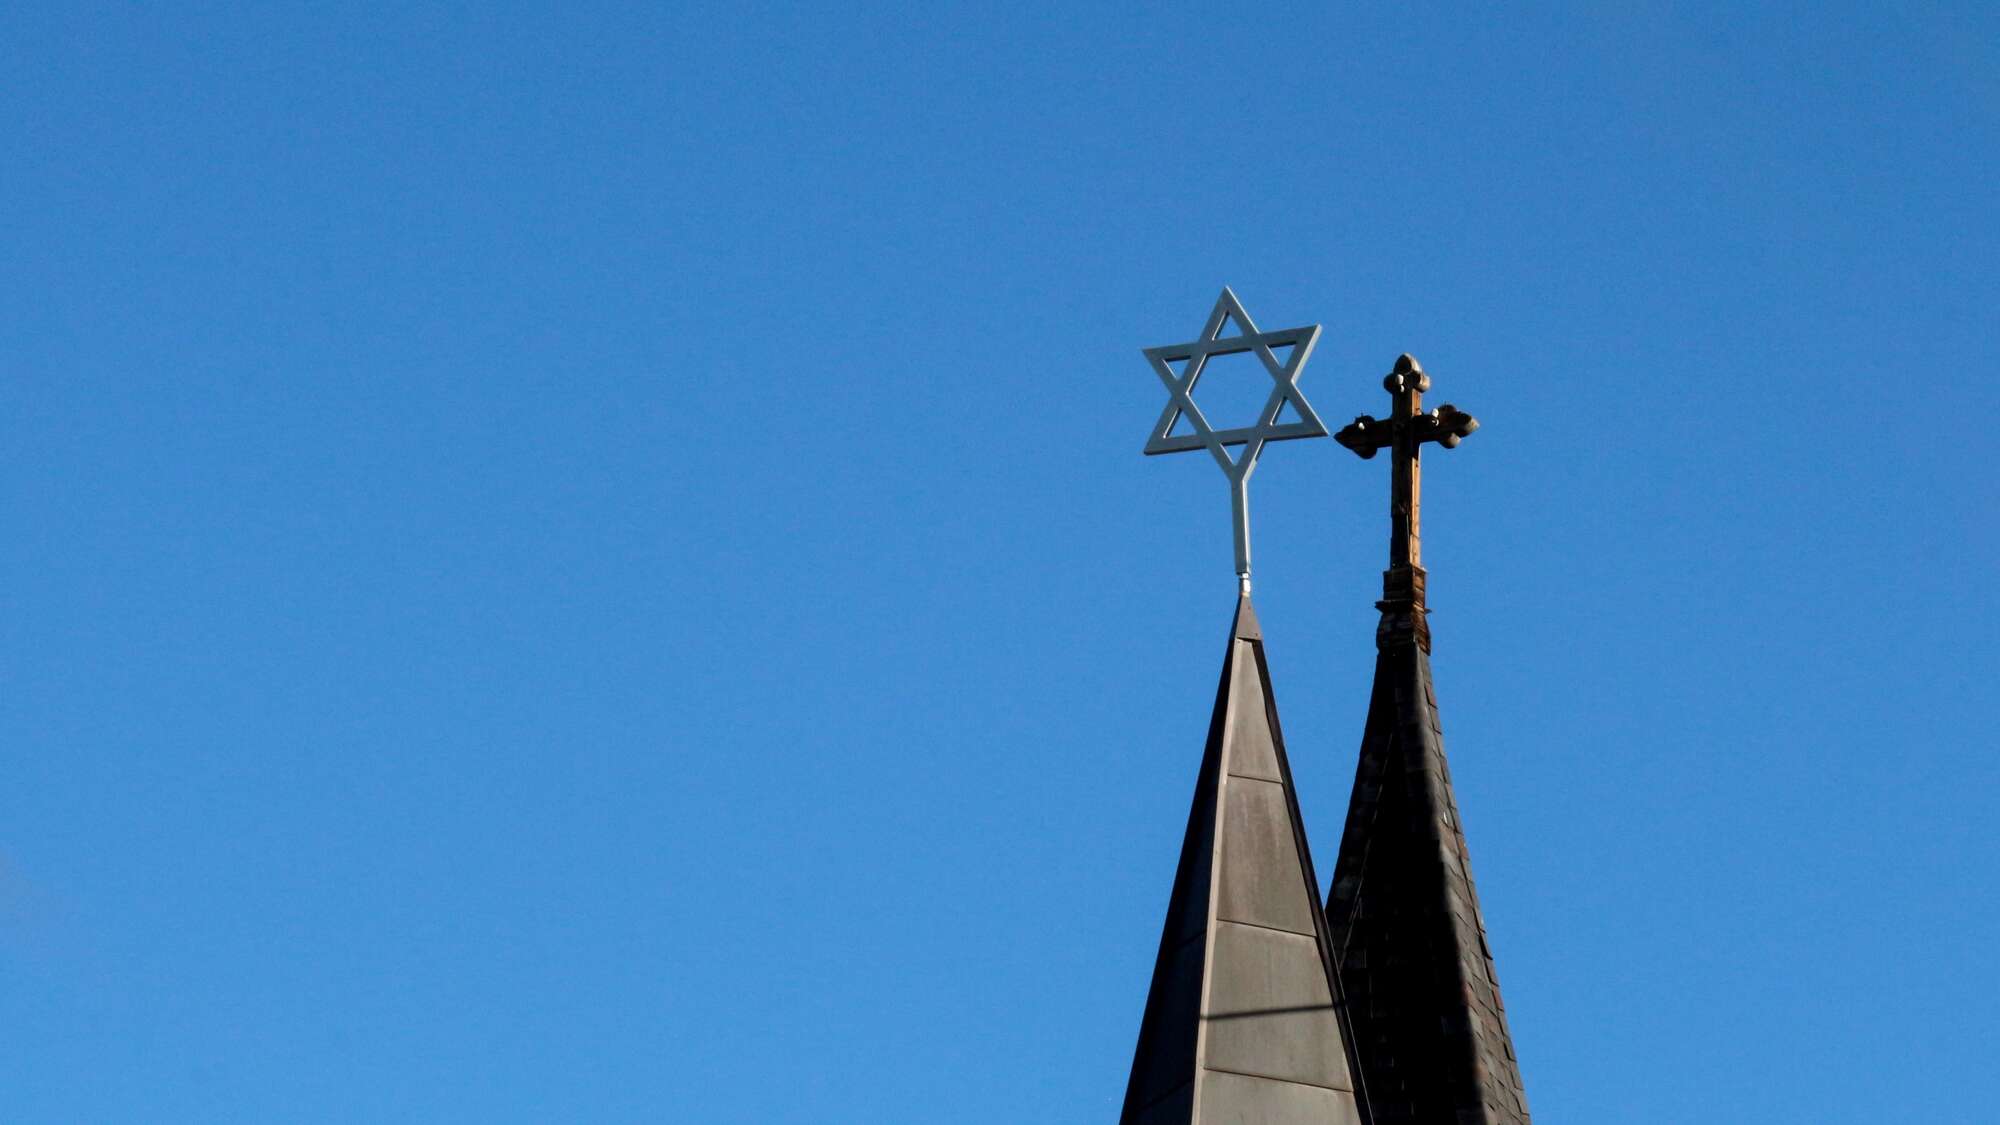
(1245, 627)
(1244, 1021)
(1429, 1028)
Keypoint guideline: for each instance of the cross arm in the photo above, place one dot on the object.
(1446, 425)
(1365, 435)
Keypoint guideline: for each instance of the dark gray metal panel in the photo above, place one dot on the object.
(1172, 1024)
(1241, 1099)
(1270, 1008)
(1175, 1109)
(1261, 876)
(1251, 752)
(1246, 626)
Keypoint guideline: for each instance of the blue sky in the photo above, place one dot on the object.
(594, 564)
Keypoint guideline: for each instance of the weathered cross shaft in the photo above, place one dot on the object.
(1404, 433)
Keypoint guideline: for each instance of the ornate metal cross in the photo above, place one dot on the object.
(1180, 389)
(1404, 432)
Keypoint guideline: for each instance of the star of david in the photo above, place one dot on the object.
(1284, 389)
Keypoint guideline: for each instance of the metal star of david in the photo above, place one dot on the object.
(1285, 389)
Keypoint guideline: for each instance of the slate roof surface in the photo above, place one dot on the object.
(1429, 1030)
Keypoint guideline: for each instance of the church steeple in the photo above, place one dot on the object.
(1429, 1031)
(1243, 1023)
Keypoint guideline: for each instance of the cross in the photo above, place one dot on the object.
(1180, 402)
(1404, 433)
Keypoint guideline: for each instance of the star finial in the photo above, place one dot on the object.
(1285, 389)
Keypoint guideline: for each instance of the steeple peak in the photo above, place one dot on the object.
(1244, 1021)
